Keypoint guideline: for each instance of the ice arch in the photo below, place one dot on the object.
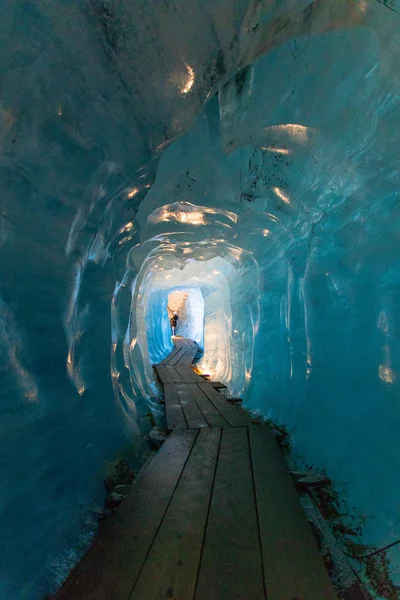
(228, 278)
(262, 136)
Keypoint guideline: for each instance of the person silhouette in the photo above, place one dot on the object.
(173, 321)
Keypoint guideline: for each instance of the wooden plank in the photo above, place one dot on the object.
(293, 567)
(163, 374)
(181, 345)
(186, 359)
(174, 373)
(189, 352)
(190, 359)
(231, 567)
(192, 412)
(230, 413)
(111, 566)
(170, 570)
(170, 355)
(174, 413)
(177, 356)
(181, 356)
(189, 375)
(211, 414)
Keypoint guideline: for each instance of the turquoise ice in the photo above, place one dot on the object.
(246, 150)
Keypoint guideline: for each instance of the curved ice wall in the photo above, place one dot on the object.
(248, 150)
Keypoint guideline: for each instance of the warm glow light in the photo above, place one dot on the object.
(297, 133)
(281, 194)
(218, 211)
(125, 239)
(236, 252)
(73, 373)
(126, 227)
(386, 374)
(206, 368)
(185, 212)
(133, 192)
(189, 81)
(276, 150)
(192, 218)
(272, 217)
(309, 365)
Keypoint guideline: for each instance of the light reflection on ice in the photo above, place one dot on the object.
(189, 81)
(276, 150)
(281, 194)
(386, 374)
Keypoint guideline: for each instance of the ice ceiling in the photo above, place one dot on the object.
(248, 150)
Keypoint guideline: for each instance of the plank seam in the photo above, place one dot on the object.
(208, 514)
(180, 404)
(230, 417)
(187, 392)
(204, 416)
(177, 357)
(258, 519)
(212, 404)
(165, 512)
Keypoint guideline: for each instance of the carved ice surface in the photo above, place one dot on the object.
(247, 150)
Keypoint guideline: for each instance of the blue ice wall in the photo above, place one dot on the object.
(251, 145)
(158, 330)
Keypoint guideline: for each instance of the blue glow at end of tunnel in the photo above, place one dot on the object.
(158, 330)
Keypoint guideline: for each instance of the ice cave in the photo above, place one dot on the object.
(235, 161)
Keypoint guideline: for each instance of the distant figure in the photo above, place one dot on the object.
(173, 321)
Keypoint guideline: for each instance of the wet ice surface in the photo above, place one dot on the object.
(120, 166)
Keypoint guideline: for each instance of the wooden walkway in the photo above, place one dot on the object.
(214, 516)
(190, 401)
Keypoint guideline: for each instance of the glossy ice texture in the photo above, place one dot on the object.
(247, 150)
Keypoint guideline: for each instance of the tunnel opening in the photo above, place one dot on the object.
(188, 305)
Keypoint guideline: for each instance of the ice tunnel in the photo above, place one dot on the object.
(245, 154)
